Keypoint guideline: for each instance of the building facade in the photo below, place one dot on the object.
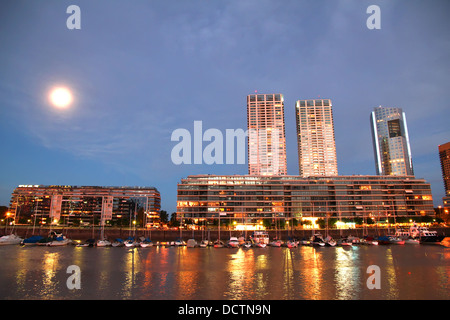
(444, 156)
(69, 204)
(391, 142)
(315, 138)
(266, 135)
(250, 198)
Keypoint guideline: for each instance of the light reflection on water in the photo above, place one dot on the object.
(348, 273)
(407, 272)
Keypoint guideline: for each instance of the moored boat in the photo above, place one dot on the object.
(369, 240)
(31, 241)
(383, 240)
(118, 242)
(292, 244)
(147, 242)
(233, 242)
(412, 241)
(87, 243)
(191, 243)
(218, 244)
(260, 244)
(204, 244)
(317, 240)
(304, 242)
(424, 235)
(179, 242)
(103, 243)
(396, 240)
(260, 236)
(276, 243)
(10, 239)
(247, 244)
(57, 240)
(330, 242)
(344, 242)
(130, 242)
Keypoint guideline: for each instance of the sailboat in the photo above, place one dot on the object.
(10, 239)
(218, 243)
(103, 242)
(31, 241)
(146, 243)
(131, 240)
(58, 239)
(204, 244)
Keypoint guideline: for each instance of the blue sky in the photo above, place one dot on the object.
(141, 69)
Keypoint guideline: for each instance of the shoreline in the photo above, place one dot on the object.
(171, 235)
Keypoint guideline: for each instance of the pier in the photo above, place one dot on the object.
(213, 234)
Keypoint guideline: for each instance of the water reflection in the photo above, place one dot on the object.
(347, 277)
(391, 277)
(288, 275)
(182, 273)
(49, 286)
(311, 272)
(241, 268)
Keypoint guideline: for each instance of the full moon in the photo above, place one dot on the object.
(60, 97)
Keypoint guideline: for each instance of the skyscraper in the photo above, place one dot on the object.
(391, 142)
(266, 136)
(444, 156)
(315, 138)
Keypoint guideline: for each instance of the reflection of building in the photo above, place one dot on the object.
(266, 139)
(73, 203)
(315, 138)
(444, 156)
(391, 142)
(251, 198)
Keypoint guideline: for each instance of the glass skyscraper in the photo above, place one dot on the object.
(266, 135)
(444, 156)
(391, 142)
(315, 138)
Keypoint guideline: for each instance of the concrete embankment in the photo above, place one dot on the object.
(171, 235)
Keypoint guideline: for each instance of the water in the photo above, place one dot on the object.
(406, 272)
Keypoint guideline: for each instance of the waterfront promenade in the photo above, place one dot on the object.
(212, 234)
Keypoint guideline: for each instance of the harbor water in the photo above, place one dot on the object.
(271, 273)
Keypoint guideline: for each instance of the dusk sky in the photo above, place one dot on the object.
(140, 69)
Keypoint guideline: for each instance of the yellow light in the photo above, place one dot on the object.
(61, 97)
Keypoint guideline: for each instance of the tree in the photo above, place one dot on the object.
(164, 216)
(173, 220)
(3, 211)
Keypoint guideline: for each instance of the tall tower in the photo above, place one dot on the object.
(391, 142)
(266, 136)
(315, 138)
(444, 156)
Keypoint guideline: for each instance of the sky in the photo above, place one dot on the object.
(140, 69)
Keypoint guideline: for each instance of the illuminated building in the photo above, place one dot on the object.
(391, 142)
(315, 138)
(252, 198)
(444, 156)
(70, 204)
(266, 135)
